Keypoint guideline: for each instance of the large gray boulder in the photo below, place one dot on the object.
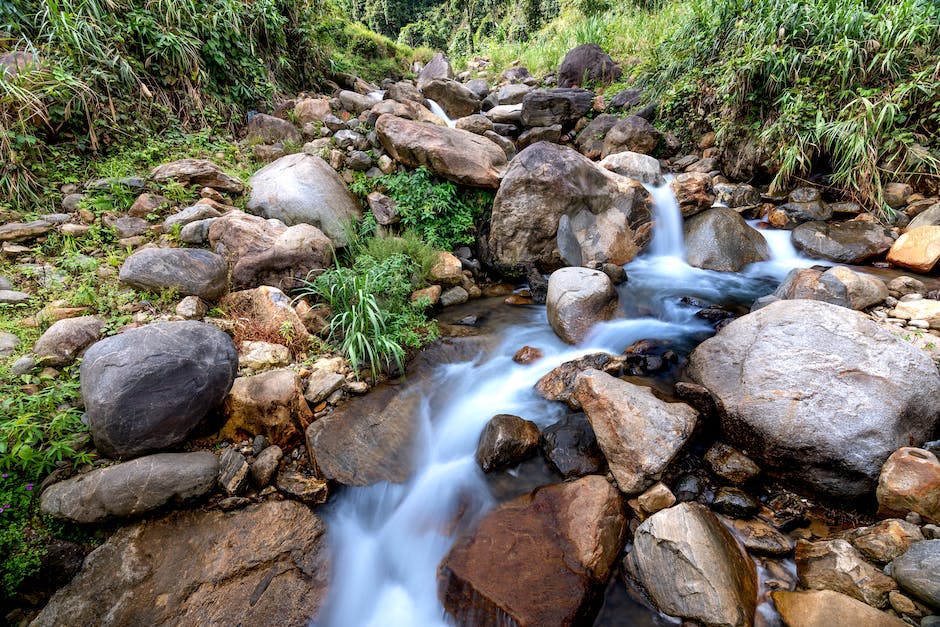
(454, 154)
(585, 65)
(555, 207)
(146, 389)
(578, 298)
(303, 189)
(852, 242)
(838, 286)
(720, 239)
(437, 67)
(190, 271)
(817, 394)
(132, 488)
(693, 568)
(545, 107)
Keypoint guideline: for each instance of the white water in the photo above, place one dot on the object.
(437, 110)
(389, 539)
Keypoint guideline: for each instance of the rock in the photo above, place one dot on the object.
(904, 285)
(65, 340)
(132, 488)
(479, 86)
(539, 133)
(192, 308)
(719, 239)
(730, 464)
(233, 471)
(147, 203)
(301, 189)
(23, 365)
(820, 608)
(917, 249)
(515, 74)
(571, 447)
(265, 466)
(21, 231)
(633, 134)
(838, 286)
(408, 110)
(836, 565)
(270, 565)
(196, 233)
(478, 124)
(638, 433)
(527, 355)
(590, 141)
(197, 212)
(269, 129)
(126, 226)
(197, 172)
(579, 298)
(735, 196)
(784, 370)
(190, 271)
(805, 205)
(558, 384)
(354, 102)
(505, 114)
(634, 165)
(320, 384)
(884, 541)
(916, 572)
(447, 270)
(459, 156)
(926, 310)
(896, 194)
(147, 388)
(910, 482)
(759, 537)
(512, 94)
(506, 440)
(404, 91)
(545, 107)
(454, 296)
(271, 404)
(265, 311)
(928, 217)
(693, 192)
(852, 242)
(13, 297)
(692, 568)
(553, 199)
(735, 503)
(8, 344)
(626, 99)
(265, 252)
(656, 498)
(456, 100)
(262, 356)
(312, 110)
(585, 65)
(5, 283)
(536, 560)
(437, 67)
(303, 487)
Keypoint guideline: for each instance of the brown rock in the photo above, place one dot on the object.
(271, 404)
(265, 313)
(66, 339)
(885, 540)
(21, 231)
(631, 133)
(538, 559)
(303, 487)
(910, 482)
(824, 608)
(918, 249)
(506, 440)
(446, 271)
(558, 384)
(656, 498)
(197, 172)
(527, 355)
(836, 565)
(578, 299)
(312, 110)
(759, 537)
(432, 293)
(693, 192)
(731, 464)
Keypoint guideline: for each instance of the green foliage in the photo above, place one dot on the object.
(438, 211)
(21, 550)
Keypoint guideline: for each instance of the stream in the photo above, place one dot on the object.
(388, 539)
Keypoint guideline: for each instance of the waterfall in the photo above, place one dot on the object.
(437, 110)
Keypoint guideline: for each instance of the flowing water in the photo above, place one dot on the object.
(437, 110)
(389, 539)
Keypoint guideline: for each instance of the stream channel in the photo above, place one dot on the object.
(388, 539)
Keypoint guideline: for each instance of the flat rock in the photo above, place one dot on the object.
(197, 172)
(13, 297)
(190, 271)
(824, 608)
(132, 488)
(917, 249)
(65, 340)
(21, 231)
(852, 242)
(545, 107)
(884, 541)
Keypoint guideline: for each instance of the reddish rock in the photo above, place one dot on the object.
(527, 355)
(910, 482)
(917, 250)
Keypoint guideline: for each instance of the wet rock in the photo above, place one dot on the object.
(818, 608)
(506, 440)
(638, 433)
(657, 497)
(456, 100)
(199, 172)
(587, 64)
(759, 537)
(454, 296)
(735, 196)
(884, 541)
(852, 242)
(692, 568)
(558, 384)
(916, 571)
(190, 271)
(147, 388)
(301, 189)
(590, 141)
(731, 464)
(65, 340)
(578, 299)
(269, 403)
(302, 487)
(928, 217)
(780, 372)
(633, 134)
(265, 466)
(270, 566)
(546, 107)
(132, 488)
(910, 482)
(536, 560)
(570, 445)
(719, 239)
(805, 205)
(838, 286)
(693, 192)
(233, 471)
(527, 355)
(836, 565)
(735, 503)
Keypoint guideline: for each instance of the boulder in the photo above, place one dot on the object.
(302, 189)
(633, 134)
(456, 100)
(447, 270)
(457, 155)
(537, 560)
(404, 91)
(257, 356)
(916, 572)
(270, 566)
(917, 249)
(477, 124)
(586, 65)
(852, 242)
(558, 384)
(197, 172)
(579, 298)
(590, 141)
(634, 165)
(818, 394)
(311, 110)
(838, 286)
(538, 134)
(269, 129)
(545, 107)
(266, 252)
(132, 488)
(837, 565)
(910, 482)
(269, 403)
(638, 433)
(736, 195)
(512, 94)
(190, 271)
(65, 340)
(928, 217)
(822, 608)
(693, 568)
(805, 205)
(437, 67)
(719, 239)
(570, 445)
(506, 440)
(355, 102)
(146, 389)
(556, 206)
(693, 192)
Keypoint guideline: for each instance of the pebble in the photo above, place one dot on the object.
(233, 471)
(735, 503)
(23, 365)
(907, 298)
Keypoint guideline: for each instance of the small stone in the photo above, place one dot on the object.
(265, 466)
(527, 355)
(431, 293)
(8, 344)
(233, 471)
(357, 387)
(259, 444)
(904, 605)
(506, 440)
(320, 384)
(454, 296)
(13, 297)
(730, 464)
(262, 355)
(885, 540)
(301, 486)
(656, 498)
(735, 503)
(65, 340)
(192, 308)
(23, 365)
